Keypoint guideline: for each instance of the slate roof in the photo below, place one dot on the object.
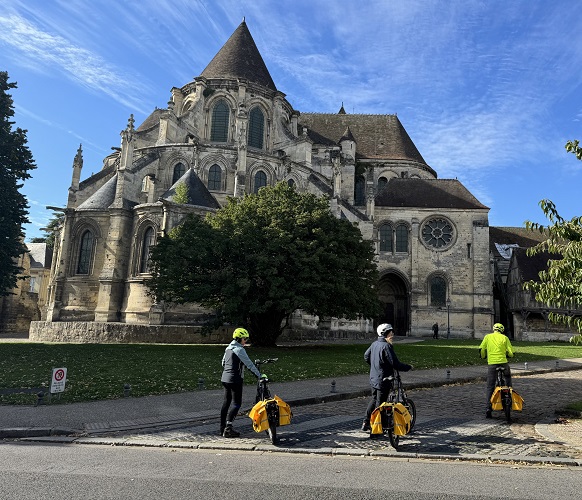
(377, 136)
(427, 193)
(530, 266)
(513, 235)
(152, 120)
(40, 255)
(198, 194)
(102, 198)
(240, 58)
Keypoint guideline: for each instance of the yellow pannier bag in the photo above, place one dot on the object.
(285, 413)
(516, 399)
(402, 419)
(258, 414)
(401, 416)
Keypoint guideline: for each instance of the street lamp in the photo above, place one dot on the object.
(448, 317)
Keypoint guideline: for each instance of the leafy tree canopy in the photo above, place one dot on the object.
(50, 230)
(260, 258)
(560, 286)
(15, 163)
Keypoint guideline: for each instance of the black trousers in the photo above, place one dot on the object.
(379, 396)
(232, 394)
(492, 377)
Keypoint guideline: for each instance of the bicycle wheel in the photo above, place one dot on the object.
(411, 407)
(272, 431)
(394, 438)
(506, 402)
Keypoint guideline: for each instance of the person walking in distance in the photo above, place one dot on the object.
(383, 361)
(435, 331)
(496, 347)
(233, 363)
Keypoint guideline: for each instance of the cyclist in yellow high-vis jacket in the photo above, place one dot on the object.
(496, 347)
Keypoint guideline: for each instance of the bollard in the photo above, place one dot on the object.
(448, 374)
(200, 384)
(525, 366)
(557, 364)
(333, 386)
(39, 398)
(126, 390)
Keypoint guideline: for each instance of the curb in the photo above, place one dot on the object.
(349, 452)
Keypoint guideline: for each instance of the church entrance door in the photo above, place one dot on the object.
(395, 307)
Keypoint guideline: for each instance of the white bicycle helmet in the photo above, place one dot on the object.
(383, 329)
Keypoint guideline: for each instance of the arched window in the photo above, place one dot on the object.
(85, 253)
(260, 181)
(360, 191)
(385, 238)
(179, 171)
(220, 118)
(438, 292)
(256, 128)
(291, 183)
(382, 181)
(147, 243)
(401, 238)
(215, 178)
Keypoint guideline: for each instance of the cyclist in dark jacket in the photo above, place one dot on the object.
(233, 364)
(382, 360)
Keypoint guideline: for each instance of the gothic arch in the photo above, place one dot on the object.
(433, 295)
(138, 243)
(209, 110)
(252, 171)
(394, 297)
(79, 230)
(208, 162)
(168, 167)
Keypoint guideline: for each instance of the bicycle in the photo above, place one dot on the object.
(505, 394)
(398, 414)
(271, 405)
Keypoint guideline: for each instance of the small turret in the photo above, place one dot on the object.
(348, 144)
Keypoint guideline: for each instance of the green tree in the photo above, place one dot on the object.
(50, 230)
(560, 285)
(260, 258)
(181, 195)
(15, 163)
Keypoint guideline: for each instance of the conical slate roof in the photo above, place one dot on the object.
(240, 58)
(198, 194)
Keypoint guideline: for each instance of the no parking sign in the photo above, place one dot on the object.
(58, 380)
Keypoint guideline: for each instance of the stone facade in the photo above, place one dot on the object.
(229, 132)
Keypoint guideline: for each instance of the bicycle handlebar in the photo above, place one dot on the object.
(264, 361)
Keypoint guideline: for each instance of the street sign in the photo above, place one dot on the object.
(58, 380)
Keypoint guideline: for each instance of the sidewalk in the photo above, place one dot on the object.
(131, 414)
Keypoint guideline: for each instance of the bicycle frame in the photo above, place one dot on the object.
(264, 394)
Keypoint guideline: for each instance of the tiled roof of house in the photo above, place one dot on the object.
(519, 236)
(40, 255)
(240, 58)
(377, 136)
(426, 193)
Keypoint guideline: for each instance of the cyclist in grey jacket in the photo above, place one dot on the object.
(382, 360)
(233, 363)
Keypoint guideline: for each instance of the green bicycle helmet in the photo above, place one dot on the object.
(498, 327)
(240, 333)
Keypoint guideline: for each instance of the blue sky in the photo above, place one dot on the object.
(489, 91)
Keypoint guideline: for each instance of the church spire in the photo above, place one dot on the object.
(240, 58)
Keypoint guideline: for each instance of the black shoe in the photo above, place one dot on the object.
(229, 432)
(366, 426)
(488, 414)
(221, 431)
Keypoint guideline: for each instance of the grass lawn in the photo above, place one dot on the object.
(99, 371)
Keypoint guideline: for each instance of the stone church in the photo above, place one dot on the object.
(228, 132)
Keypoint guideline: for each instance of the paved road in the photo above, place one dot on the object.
(450, 421)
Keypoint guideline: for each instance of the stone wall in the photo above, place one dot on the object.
(122, 333)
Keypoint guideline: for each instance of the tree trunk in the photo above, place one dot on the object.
(266, 327)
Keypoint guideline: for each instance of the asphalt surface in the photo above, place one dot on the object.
(327, 415)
